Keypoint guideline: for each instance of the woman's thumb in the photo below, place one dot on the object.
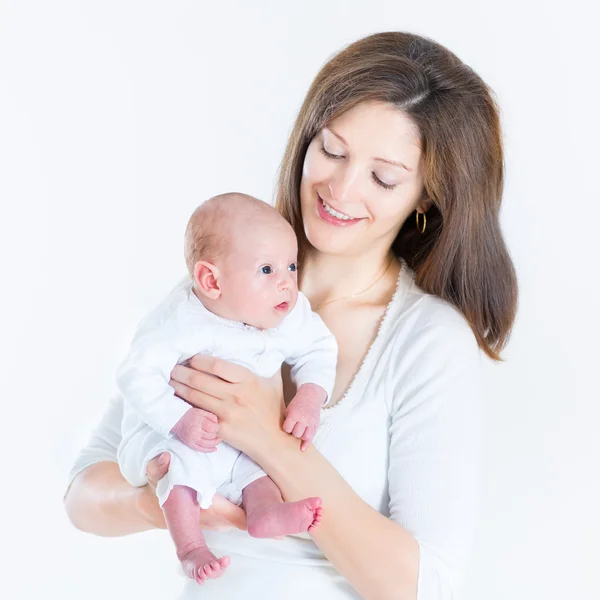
(158, 466)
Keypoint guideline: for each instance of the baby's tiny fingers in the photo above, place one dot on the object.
(203, 445)
(309, 433)
(299, 429)
(289, 424)
(208, 425)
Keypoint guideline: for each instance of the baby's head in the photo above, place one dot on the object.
(241, 254)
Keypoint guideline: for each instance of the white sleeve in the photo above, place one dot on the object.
(436, 445)
(314, 357)
(104, 441)
(143, 380)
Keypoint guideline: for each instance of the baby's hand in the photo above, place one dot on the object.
(198, 429)
(303, 413)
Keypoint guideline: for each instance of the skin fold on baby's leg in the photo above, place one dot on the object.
(269, 516)
(182, 515)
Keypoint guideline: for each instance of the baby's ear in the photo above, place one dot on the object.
(206, 278)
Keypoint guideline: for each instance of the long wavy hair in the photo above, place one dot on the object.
(462, 257)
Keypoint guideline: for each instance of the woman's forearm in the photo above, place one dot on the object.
(377, 556)
(101, 501)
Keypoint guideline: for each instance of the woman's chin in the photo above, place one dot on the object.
(329, 243)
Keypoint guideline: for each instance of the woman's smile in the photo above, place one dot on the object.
(332, 216)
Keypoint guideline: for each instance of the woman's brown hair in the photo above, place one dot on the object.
(462, 256)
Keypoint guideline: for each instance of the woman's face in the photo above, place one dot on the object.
(362, 177)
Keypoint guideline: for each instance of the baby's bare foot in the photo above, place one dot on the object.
(285, 518)
(201, 564)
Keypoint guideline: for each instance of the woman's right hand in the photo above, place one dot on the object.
(222, 514)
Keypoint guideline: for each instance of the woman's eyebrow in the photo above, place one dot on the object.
(383, 160)
(337, 135)
(396, 164)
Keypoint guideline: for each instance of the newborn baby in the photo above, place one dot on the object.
(241, 304)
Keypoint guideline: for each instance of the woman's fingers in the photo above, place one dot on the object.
(157, 468)
(201, 381)
(228, 371)
(196, 397)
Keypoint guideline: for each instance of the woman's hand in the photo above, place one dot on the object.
(222, 515)
(249, 408)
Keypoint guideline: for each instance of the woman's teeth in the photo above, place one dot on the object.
(335, 213)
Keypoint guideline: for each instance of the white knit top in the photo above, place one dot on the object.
(408, 437)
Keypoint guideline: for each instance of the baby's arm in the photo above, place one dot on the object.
(143, 380)
(313, 371)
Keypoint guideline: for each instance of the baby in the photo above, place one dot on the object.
(241, 304)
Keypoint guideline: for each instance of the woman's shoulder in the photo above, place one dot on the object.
(421, 320)
(432, 354)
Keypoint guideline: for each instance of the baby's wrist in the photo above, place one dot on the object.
(311, 391)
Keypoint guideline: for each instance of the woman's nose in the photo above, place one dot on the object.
(343, 184)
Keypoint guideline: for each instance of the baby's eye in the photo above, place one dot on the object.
(267, 270)
(292, 267)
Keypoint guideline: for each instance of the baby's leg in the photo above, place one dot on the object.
(182, 515)
(269, 516)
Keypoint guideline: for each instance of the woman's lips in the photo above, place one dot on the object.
(330, 218)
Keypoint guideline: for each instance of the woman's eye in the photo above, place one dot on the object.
(267, 270)
(292, 267)
(329, 155)
(378, 181)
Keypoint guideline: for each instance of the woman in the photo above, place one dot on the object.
(392, 180)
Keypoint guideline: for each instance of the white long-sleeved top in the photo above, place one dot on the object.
(177, 329)
(181, 326)
(408, 436)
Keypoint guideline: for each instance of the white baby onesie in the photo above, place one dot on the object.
(179, 328)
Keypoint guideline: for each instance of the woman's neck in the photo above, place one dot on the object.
(326, 277)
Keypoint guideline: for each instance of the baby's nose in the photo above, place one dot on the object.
(285, 283)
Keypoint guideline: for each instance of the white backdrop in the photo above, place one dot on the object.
(118, 117)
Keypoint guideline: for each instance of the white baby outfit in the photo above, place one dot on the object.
(180, 327)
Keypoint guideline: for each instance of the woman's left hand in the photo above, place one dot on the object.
(250, 409)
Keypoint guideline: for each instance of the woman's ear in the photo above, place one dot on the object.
(424, 205)
(206, 278)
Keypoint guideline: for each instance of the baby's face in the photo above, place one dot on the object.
(259, 279)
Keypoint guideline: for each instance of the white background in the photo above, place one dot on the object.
(118, 117)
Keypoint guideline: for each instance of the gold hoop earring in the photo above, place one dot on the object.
(424, 221)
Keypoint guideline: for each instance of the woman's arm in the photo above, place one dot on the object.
(434, 474)
(420, 552)
(377, 556)
(99, 499)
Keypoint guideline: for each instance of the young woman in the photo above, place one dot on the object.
(392, 180)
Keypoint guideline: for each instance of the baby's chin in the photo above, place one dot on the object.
(270, 321)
